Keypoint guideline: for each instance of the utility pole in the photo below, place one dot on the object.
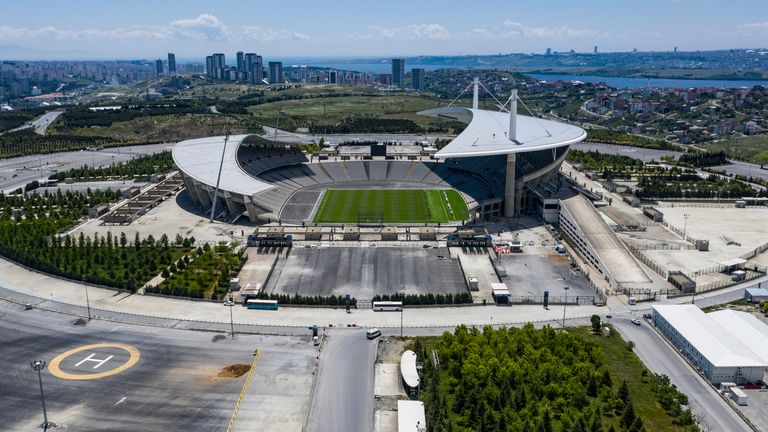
(565, 304)
(231, 303)
(685, 224)
(401, 321)
(87, 299)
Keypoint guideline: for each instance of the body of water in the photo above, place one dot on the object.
(633, 83)
(385, 66)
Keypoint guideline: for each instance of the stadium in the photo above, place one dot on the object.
(502, 164)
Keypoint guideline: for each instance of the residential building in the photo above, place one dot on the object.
(417, 78)
(159, 67)
(276, 73)
(398, 71)
(241, 62)
(171, 64)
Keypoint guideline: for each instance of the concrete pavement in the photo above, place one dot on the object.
(343, 395)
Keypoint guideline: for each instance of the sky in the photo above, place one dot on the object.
(364, 28)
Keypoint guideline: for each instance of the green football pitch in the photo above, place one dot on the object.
(391, 206)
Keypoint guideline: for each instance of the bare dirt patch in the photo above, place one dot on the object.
(234, 371)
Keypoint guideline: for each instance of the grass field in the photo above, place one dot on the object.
(392, 205)
(754, 148)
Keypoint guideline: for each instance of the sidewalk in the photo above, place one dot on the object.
(49, 289)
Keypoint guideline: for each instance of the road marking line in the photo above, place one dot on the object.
(231, 424)
(55, 369)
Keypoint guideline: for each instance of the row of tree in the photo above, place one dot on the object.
(296, 299)
(426, 299)
(597, 161)
(26, 142)
(205, 275)
(703, 159)
(143, 166)
(83, 116)
(30, 234)
(712, 187)
(368, 124)
(623, 138)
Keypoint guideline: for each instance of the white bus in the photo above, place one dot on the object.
(379, 306)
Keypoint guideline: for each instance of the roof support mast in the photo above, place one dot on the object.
(475, 92)
(511, 207)
(513, 117)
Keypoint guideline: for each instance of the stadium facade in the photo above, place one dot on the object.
(503, 164)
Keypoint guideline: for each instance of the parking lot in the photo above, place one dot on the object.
(105, 376)
(532, 274)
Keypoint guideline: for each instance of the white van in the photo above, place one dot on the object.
(373, 333)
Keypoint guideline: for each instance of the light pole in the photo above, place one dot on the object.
(39, 365)
(231, 303)
(87, 300)
(401, 321)
(565, 303)
(685, 224)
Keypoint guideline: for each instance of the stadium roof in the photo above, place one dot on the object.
(200, 159)
(486, 133)
(709, 337)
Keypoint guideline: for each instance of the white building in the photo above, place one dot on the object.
(410, 416)
(713, 342)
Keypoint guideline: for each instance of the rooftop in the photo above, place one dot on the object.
(708, 336)
(486, 133)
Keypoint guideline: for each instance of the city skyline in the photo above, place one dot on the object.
(401, 29)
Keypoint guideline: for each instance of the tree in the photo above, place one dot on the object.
(596, 328)
(628, 417)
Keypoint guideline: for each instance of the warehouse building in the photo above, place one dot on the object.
(714, 343)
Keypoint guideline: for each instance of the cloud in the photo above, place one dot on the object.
(516, 29)
(415, 31)
(258, 34)
(756, 25)
(205, 27)
(8, 33)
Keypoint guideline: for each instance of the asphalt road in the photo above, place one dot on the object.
(15, 172)
(173, 385)
(343, 396)
(661, 358)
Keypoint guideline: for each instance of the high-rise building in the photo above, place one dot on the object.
(219, 65)
(240, 62)
(159, 66)
(333, 77)
(171, 64)
(595, 49)
(276, 73)
(398, 71)
(209, 66)
(254, 66)
(417, 78)
(549, 51)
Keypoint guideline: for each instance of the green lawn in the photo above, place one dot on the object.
(754, 148)
(393, 205)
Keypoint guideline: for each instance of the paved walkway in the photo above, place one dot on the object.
(16, 279)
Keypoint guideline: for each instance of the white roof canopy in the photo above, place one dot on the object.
(709, 337)
(200, 159)
(486, 133)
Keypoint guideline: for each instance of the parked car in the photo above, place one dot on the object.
(373, 333)
(636, 321)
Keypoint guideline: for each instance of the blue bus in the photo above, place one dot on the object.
(261, 304)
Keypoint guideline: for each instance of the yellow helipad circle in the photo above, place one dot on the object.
(54, 368)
